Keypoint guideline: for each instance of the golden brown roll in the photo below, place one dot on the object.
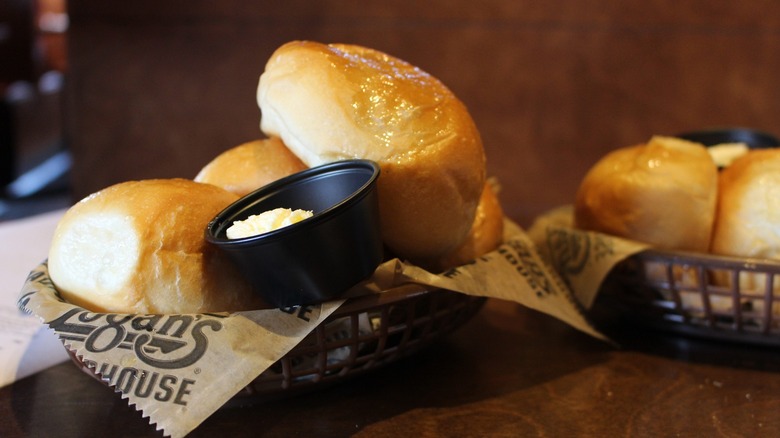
(333, 102)
(748, 215)
(249, 166)
(139, 247)
(485, 235)
(663, 193)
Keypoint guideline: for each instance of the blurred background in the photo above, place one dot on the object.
(34, 159)
(99, 92)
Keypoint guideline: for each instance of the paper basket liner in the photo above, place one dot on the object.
(179, 369)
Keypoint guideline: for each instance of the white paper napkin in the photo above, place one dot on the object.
(26, 345)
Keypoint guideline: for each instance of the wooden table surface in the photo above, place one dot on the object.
(509, 372)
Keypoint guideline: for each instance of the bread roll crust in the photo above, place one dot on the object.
(139, 247)
(251, 165)
(748, 215)
(486, 233)
(663, 193)
(332, 102)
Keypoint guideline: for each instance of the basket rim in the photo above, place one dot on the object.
(389, 296)
(711, 260)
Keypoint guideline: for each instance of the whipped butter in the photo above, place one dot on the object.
(267, 221)
(723, 154)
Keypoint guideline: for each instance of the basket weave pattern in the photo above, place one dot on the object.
(714, 296)
(365, 333)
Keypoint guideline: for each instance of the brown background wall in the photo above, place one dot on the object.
(156, 89)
